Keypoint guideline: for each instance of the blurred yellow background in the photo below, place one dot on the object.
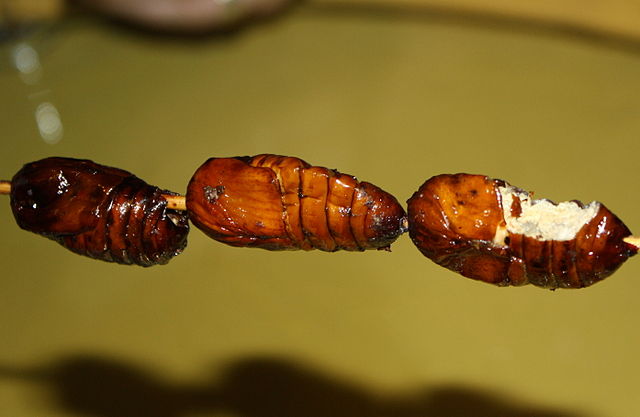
(392, 97)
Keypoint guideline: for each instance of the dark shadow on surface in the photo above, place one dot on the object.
(487, 20)
(254, 387)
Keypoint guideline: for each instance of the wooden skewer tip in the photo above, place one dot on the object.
(633, 241)
(5, 187)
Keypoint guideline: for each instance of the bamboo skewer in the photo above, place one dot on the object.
(633, 241)
(174, 202)
(178, 202)
(5, 187)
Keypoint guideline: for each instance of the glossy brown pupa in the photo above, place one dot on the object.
(282, 203)
(487, 230)
(98, 211)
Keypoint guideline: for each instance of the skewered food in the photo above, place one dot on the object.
(98, 211)
(278, 203)
(480, 227)
(488, 230)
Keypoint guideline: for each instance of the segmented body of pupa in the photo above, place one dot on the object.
(487, 230)
(278, 203)
(98, 211)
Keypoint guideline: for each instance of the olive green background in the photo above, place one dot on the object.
(391, 98)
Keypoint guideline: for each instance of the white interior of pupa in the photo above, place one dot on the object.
(542, 219)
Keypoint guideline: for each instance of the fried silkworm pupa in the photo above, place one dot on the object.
(283, 203)
(98, 211)
(488, 230)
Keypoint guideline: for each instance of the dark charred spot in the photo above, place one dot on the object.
(516, 207)
(94, 194)
(212, 193)
(461, 202)
(563, 265)
(474, 192)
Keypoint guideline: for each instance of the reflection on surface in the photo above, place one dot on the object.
(249, 387)
(26, 60)
(49, 123)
